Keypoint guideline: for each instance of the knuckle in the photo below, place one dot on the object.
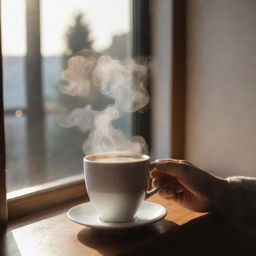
(183, 162)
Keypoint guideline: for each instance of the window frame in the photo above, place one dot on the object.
(71, 188)
(141, 48)
(178, 99)
(3, 202)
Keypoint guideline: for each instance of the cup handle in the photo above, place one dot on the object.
(151, 192)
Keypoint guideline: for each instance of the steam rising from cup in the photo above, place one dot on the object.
(124, 82)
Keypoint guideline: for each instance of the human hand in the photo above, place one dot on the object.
(188, 185)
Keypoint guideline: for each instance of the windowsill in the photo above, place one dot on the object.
(38, 198)
(50, 232)
(43, 214)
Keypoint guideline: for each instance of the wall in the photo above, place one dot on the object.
(221, 88)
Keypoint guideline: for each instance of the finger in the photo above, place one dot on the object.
(152, 164)
(156, 174)
(157, 183)
(175, 187)
(163, 179)
(160, 183)
(171, 166)
(167, 193)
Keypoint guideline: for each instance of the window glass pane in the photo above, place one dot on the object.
(45, 151)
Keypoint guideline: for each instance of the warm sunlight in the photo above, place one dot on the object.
(105, 18)
(66, 27)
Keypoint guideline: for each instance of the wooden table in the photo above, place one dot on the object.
(182, 232)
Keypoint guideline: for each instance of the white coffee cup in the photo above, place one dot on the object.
(117, 184)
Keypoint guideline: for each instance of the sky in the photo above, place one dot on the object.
(104, 17)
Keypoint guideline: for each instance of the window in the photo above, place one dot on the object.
(38, 149)
(35, 48)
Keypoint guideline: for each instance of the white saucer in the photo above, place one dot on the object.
(85, 214)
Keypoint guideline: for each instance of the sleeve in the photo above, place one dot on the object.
(240, 203)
